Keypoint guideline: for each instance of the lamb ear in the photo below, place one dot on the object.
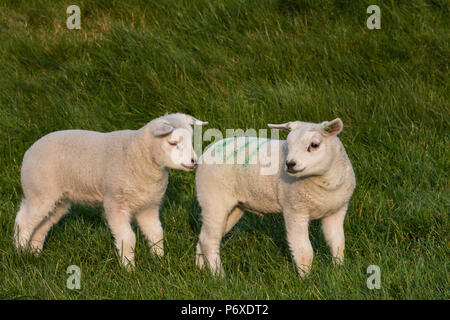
(162, 128)
(288, 126)
(333, 127)
(193, 121)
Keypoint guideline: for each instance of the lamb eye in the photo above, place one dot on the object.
(173, 143)
(313, 146)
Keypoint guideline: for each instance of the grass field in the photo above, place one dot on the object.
(237, 64)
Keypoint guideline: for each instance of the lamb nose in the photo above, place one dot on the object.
(290, 164)
(194, 162)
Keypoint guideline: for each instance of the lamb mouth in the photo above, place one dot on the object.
(192, 167)
(292, 171)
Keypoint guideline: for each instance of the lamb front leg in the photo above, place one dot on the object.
(298, 240)
(333, 230)
(118, 217)
(149, 223)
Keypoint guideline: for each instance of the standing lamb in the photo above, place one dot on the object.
(126, 171)
(314, 179)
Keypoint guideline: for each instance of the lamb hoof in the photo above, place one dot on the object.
(157, 250)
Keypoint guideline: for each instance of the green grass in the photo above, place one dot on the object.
(237, 64)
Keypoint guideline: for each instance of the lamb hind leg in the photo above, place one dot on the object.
(333, 230)
(232, 219)
(31, 214)
(38, 238)
(213, 228)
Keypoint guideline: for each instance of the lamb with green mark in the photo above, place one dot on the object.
(314, 179)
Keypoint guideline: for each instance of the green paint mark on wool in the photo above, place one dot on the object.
(236, 151)
(220, 147)
(255, 151)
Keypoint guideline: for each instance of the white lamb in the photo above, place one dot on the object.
(314, 180)
(126, 171)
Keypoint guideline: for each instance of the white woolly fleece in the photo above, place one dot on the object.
(319, 186)
(126, 171)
